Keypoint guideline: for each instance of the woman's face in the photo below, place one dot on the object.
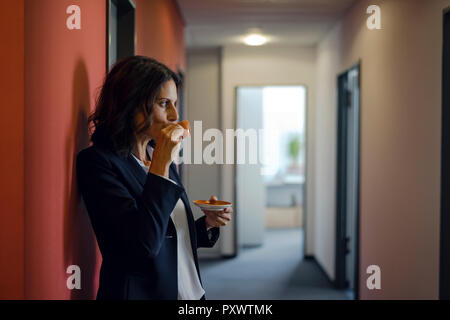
(164, 110)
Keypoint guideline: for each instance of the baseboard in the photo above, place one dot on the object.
(313, 259)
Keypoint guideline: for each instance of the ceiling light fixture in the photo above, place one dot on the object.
(255, 40)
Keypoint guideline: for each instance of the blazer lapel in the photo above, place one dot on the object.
(141, 176)
(190, 217)
(136, 169)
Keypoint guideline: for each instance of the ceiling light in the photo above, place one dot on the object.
(255, 40)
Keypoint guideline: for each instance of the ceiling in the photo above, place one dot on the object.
(212, 23)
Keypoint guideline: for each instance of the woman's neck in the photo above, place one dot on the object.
(140, 150)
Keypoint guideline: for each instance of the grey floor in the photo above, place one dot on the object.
(273, 271)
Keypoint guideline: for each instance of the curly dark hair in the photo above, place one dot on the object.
(132, 85)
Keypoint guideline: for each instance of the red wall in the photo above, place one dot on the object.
(160, 32)
(63, 68)
(53, 76)
(48, 94)
(11, 149)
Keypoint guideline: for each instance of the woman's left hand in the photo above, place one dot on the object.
(217, 218)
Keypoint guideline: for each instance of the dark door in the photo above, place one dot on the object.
(347, 200)
(444, 274)
(121, 30)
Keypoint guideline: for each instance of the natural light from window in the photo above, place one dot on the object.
(284, 133)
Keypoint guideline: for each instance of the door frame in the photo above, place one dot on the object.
(341, 183)
(444, 261)
(305, 189)
(128, 4)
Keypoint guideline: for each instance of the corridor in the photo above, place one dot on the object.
(273, 271)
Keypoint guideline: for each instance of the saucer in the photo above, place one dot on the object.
(212, 205)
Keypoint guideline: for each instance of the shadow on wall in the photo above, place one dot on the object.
(80, 246)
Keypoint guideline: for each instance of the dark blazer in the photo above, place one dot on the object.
(130, 214)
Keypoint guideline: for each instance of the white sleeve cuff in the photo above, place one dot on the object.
(167, 179)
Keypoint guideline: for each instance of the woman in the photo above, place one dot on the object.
(137, 205)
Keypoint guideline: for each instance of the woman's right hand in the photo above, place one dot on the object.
(167, 148)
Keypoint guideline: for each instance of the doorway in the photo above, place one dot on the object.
(121, 37)
(269, 235)
(444, 273)
(347, 197)
(270, 193)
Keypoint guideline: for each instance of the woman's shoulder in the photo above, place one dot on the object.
(94, 155)
(91, 151)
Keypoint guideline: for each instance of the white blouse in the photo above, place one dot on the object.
(189, 286)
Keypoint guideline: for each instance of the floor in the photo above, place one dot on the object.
(273, 271)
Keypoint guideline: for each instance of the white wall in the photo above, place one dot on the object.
(250, 202)
(400, 144)
(267, 65)
(202, 103)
